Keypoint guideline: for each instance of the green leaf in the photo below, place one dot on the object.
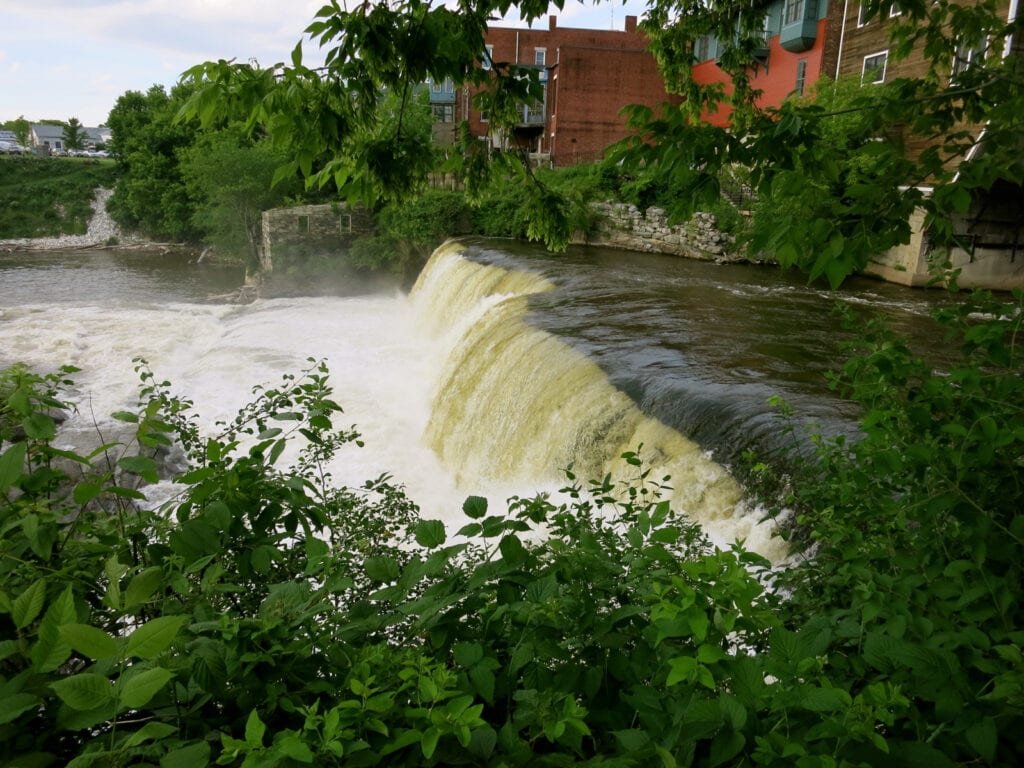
(151, 730)
(254, 730)
(153, 637)
(86, 492)
(475, 507)
(12, 461)
(429, 741)
(382, 569)
(13, 705)
(90, 641)
(143, 466)
(39, 426)
(292, 746)
(467, 654)
(84, 692)
(825, 699)
(983, 738)
(28, 604)
(142, 586)
(140, 688)
(51, 650)
(632, 739)
(196, 755)
(429, 533)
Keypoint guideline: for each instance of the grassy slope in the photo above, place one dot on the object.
(49, 196)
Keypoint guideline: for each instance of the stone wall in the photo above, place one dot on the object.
(620, 225)
(312, 228)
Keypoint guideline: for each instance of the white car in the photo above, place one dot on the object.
(12, 148)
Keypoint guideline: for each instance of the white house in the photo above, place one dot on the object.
(52, 136)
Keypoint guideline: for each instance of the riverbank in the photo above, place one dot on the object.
(102, 232)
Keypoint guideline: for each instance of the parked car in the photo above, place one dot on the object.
(12, 148)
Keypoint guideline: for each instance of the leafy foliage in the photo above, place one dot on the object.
(228, 179)
(267, 617)
(912, 537)
(145, 139)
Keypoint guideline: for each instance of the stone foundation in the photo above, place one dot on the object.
(620, 225)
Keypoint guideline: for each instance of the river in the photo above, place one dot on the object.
(503, 366)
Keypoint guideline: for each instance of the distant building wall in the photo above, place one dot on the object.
(323, 228)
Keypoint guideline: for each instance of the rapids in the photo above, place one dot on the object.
(502, 367)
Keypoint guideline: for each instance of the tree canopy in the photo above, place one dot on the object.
(74, 134)
(324, 117)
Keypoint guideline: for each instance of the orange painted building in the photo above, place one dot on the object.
(802, 44)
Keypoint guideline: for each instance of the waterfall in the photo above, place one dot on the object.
(516, 405)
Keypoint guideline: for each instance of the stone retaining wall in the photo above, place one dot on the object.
(312, 229)
(620, 225)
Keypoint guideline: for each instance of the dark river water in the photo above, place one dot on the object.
(703, 347)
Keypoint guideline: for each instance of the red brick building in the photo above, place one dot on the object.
(588, 77)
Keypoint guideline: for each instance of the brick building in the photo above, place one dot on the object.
(588, 76)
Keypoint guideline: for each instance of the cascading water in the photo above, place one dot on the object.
(516, 404)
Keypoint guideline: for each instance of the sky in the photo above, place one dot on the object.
(73, 58)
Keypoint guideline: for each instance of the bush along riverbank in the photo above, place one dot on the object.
(266, 617)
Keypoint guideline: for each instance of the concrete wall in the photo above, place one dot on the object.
(991, 255)
(314, 228)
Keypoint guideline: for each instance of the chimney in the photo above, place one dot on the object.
(552, 22)
(631, 23)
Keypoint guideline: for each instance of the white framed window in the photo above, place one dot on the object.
(702, 48)
(873, 71)
(792, 12)
(801, 76)
(444, 113)
(967, 55)
(485, 116)
(895, 10)
(488, 57)
(862, 15)
(446, 87)
(540, 56)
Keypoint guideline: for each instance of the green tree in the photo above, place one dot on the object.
(21, 128)
(74, 134)
(146, 140)
(228, 179)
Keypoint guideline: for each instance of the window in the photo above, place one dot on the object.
(793, 12)
(874, 68)
(540, 56)
(485, 116)
(801, 76)
(702, 48)
(485, 62)
(895, 10)
(447, 87)
(444, 113)
(862, 15)
(967, 55)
